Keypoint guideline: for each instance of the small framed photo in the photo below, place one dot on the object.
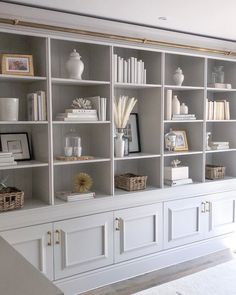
(181, 140)
(132, 132)
(17, 64)
(17, 144)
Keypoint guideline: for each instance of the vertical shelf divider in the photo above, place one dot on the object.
(163, 68)
(204, 118)
(112, 77)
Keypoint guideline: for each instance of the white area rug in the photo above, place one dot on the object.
(218, 280)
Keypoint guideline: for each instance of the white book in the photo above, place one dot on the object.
(70, 197)
(6, 154)
(178, 182)
(132, 70)
(115, 67)
(120, 69)
(39, 102)
(138, 72)
(81, 111)
(32, 98)
(7, 159)
(214, 111)
(43, 105)
(8, 164)
(74, 115)
(129, 71)
(207, 106)
(145, 77)
(96, 104)
(76, 119)
(135, 70)
(125, 72)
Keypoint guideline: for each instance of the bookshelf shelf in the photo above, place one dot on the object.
(221, 121)
(184, 153)
(183, 88)
(220, 90)
(25, 165)
(220, 151)
(80, 122)
(183, 121)
(65, 81)
(137, 156)
(96, 160)
(136, 86)
(21, 78)
(23, 122)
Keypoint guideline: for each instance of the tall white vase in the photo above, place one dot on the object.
(169, 105)
(119, 145)
(178, 77)
(175, 105)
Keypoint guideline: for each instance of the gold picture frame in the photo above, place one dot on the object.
(181, 141)
(17, 64)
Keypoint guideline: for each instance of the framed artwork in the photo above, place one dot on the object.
(17, 144)
(132, 132)
(181, 140)
(17, 64)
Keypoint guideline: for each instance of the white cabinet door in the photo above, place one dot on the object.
(83, 244)
(138, 231)
(35, 244)
(184, 222)
(221, 210)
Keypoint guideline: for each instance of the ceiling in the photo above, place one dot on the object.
(215, 18)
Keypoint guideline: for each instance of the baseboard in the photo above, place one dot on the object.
(125, 270)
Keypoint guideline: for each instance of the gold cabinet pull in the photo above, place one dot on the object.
(203, 207)
(117, 223)
(208, 207)
(57, 237)
(49, 233)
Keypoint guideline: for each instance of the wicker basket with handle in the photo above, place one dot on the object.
(215, 172)
(10, 199)
(130, 182)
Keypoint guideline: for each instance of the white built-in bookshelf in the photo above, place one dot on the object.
(42, 176)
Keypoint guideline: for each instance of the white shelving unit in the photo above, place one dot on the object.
(46, 137)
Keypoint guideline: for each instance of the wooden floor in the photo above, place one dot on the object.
(165, 275)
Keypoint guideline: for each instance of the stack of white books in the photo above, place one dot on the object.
(68, 196)
(7, 159)
(183, 117)
(218, 110)
(131, 70)
(219, 145)
(37, 106)
(220, 85)
(77, 115)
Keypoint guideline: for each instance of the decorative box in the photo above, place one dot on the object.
(175, 173)
(130, 182)
(215, 172)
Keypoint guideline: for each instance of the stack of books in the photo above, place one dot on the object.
(218, 110)
(178, 182)
(37, 106)
(7, 159)
(175, 176)
(219, 145)
(129, 71)
(183, 117)
(99, 104)
(220, 85)
(72, 197)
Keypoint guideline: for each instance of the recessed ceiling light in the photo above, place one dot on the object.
(162, 18)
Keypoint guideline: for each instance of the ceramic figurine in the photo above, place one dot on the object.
(170, 140)
(75, 66)
(175, 106)
(183, 109)
(178, 77)
(208, 135)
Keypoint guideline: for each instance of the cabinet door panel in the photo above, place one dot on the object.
(85, 243)
(32, 243)
(221, 216)
(183, 222)
(140, 232)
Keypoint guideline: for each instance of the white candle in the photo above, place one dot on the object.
(77, 151)
(169, 105)
(68, 151)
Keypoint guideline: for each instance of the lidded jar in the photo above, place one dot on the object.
(72, 144)
(170, 140)
(75, 66)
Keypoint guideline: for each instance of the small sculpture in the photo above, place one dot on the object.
(82, 103)
(82, 183)
(170, 140)
(208, 135)
(175, 163)
(178, 77)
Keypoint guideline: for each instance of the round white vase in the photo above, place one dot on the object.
(178, 77)
(75, 66)
(9, 109)
(183, 109)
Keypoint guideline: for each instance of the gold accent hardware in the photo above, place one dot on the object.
(117, 222)
(57, 236)
(203, 207)
(49, 233)
(114, 36)
(208, 207)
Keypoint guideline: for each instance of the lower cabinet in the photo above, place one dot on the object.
(138, 231)
(35, 244)
(83, 244)
(194, 219)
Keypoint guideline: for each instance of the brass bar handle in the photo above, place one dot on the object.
(208, 207)
(57, 241)
(117, 223)
(203, 207)
(49, 233)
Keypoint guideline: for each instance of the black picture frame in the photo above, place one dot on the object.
(26, 146)
(133, 133)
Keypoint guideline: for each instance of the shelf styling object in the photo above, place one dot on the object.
(218, 75)
(178, 77)
(72, 145)
(72, 196)
(122, 108)
(82, 183)
(9, 109)
(208, 136)
(130, 182)
(169, 105)
(170, 140)
(175, 172)
(183, 109)
(215, 172)
(175, 105)
(73, 158)
(75, 66)
(17, 64)
(11, 198)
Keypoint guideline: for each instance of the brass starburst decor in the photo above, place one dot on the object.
(82, 183)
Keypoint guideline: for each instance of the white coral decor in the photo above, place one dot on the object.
(122, 107)
(81, 103)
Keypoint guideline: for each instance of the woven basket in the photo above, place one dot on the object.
(131, 182)
(11, 200)
(215, 172)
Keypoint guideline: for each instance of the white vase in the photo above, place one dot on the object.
(183, 109)
(9, 109)
(75, 66)
(178, 77)
(175, 105)
(169, 105)
(119, 145)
